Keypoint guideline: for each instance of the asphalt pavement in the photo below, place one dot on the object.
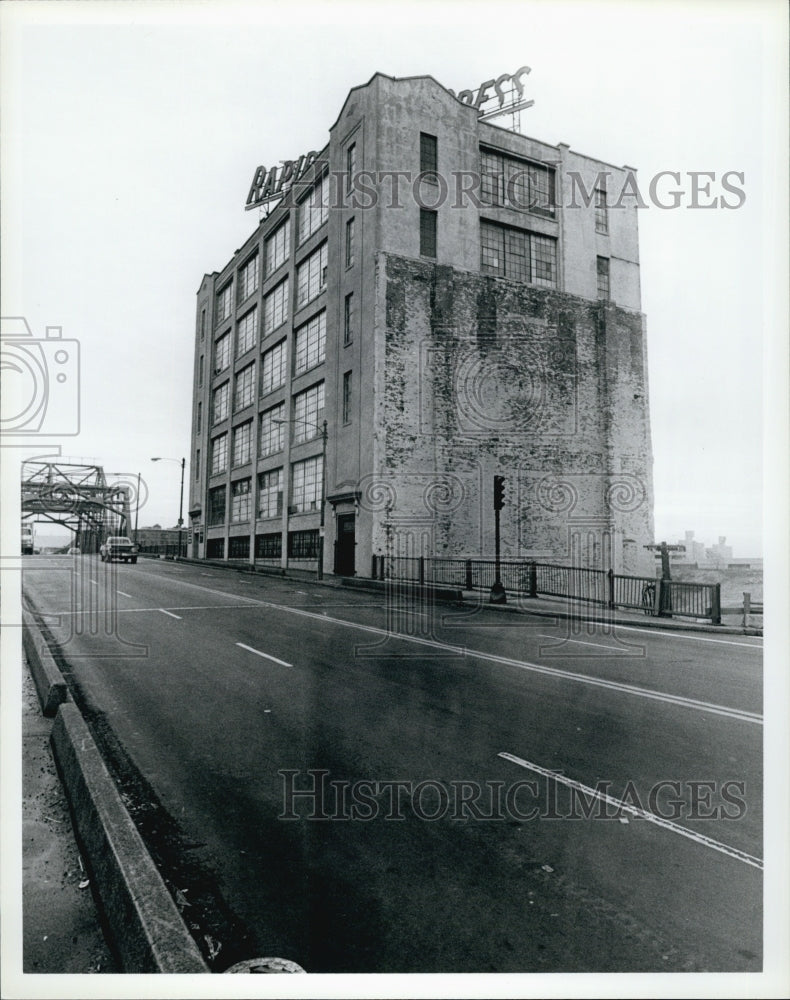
(377, 783)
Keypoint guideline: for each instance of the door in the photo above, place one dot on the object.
(345, 545)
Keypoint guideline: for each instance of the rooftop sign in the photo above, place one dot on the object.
(498, 97)
(274, 182)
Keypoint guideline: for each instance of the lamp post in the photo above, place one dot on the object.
(182, 462)
(323, 429)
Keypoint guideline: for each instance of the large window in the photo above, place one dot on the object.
(219, 454)
(216, 505)
(240, 500)
(275, 307)
(249, 276)
(303, 544)
(269, 546)
(224, 303)
(351, 165)
(306, 484)
(245, 388)
(310, 344)
(222, 353)
(270, 493)
(245, 336)
(314, 210)
(602, 269)
(219, 403)
(516, 184)
(308, 413)
(427, 233)
(518, 254)
(272, 435)
(311, 277)
(428, 154)
(242, 444)
(278, 246)
(601, 212)
(273, 368)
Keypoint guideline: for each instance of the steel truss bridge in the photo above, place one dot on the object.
(77, 496)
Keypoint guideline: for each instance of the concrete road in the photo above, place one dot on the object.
(479, 791)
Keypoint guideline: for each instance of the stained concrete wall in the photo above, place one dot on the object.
(483, 376)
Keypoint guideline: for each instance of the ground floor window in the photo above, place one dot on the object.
(269, 546)
(215, 548)
(303, 544)
(239, 548)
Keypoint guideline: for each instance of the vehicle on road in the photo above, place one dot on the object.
(118, 547)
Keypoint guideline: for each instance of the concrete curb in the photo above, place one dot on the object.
(144, 923)
(50, 685)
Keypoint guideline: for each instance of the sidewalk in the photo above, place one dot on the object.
(61, 930)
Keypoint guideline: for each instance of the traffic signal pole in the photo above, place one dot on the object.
(497, 595)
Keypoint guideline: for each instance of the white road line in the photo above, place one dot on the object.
(626, 807)
(94, 582)
(123, 593)
(580, 642)
(682, 635)
(699, 706)
(170, 613)
(264, 655)
(133, 611)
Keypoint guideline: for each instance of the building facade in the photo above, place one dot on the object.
(456, 301)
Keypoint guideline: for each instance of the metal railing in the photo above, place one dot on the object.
(167, 549)
(651, 595)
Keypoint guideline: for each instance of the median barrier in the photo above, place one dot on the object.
(49, 682)
(146, 929)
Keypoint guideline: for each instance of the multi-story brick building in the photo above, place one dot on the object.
(456, 301)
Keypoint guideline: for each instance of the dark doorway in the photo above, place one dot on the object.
(344, 546)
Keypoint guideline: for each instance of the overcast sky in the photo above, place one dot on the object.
(131, 133)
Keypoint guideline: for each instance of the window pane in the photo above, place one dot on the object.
(310, 344)
(245, 388)
(275, 307)
(245, 336)
(224, 303)
(222, 353)
(306, 484)
(219, 454)
(427, 233)
(308, 413)
(219, 403)
(273, 367)
(278, 248)
(311, 277)
(242, 444)
(248, 277)
(314, 210)
(272, 431)
(270, 493)
(240, 497)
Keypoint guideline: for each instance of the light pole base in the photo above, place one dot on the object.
(497, 595)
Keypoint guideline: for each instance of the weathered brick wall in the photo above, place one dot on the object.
(484, 377)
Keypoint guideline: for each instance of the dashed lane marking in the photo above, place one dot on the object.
(170, 613)
(581, 642)
(266, 656)
(631, 810)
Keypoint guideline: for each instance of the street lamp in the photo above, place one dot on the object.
(322, 428)
(182, 462)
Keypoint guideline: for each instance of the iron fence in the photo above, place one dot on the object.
(651, 595)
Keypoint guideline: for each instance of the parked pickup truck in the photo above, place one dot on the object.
(118, 547)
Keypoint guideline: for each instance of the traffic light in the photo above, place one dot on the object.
(499, 492)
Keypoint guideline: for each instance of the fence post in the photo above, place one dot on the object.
(659, 596)
(468, 574)
(610, 582)
(533, 580)
(422, 570)
(747, 607)
(373, 567)
(715, 611)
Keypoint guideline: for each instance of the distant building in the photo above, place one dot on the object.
(444, 340)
